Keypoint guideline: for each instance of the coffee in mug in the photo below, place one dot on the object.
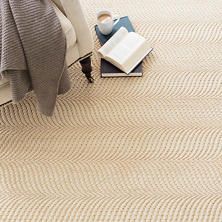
(104, 18)
(105, 21)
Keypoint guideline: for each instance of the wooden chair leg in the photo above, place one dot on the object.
(87, 68)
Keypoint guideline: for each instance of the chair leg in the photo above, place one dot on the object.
(87, 68)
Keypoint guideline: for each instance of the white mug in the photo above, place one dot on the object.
(106, 25)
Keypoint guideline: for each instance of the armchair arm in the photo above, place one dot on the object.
(74, 13)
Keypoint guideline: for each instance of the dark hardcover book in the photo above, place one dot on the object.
(107, 69)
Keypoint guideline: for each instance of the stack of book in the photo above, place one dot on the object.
(122, 51)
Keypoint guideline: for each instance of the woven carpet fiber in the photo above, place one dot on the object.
(126, 149)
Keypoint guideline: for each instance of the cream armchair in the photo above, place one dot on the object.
(78, 37)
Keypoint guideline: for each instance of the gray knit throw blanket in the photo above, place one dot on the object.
(32, 51)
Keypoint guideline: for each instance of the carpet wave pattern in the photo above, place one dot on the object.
(126, 149)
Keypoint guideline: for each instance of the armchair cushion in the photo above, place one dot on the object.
(67, 27)
(73, 11)
(3, 81)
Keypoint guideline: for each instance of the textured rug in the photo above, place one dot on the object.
(126, 149)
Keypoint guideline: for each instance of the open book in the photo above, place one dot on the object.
(125, 50)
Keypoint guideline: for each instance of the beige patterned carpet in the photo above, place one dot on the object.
(137, 149)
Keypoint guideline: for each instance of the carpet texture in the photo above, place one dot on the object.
(136, 149)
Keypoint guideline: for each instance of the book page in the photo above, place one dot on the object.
(114, 63)
(126, 48)
(113, 42)
(136, 58)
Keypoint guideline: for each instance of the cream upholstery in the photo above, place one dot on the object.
(5, 92)
(67, 27)
(78, 37)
